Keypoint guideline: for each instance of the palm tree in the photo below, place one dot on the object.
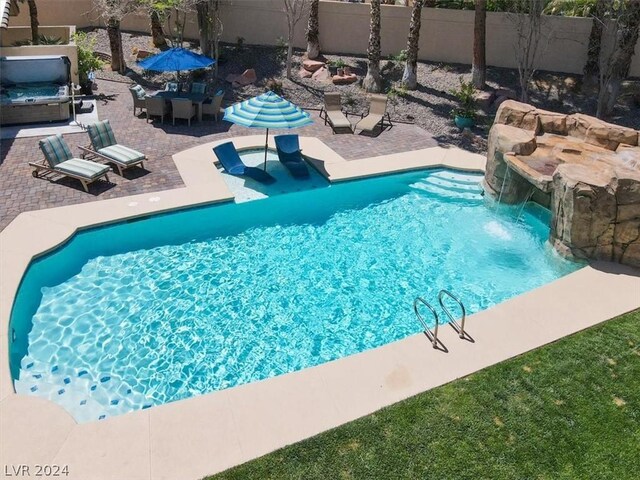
(372, 81)
(157, 35)
(33, 16)
(410, 77)
(479, 66)
(313, 35)
(628, 31)
(592, 67)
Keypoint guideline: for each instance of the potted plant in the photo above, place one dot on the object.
(464, 115)
(88, 61)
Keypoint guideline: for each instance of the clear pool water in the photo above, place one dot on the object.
(33, 90)
(147, 312)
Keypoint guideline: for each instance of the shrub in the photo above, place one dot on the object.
(275, 86)
(399, 58)
(466, 101)
(43, 39)
(281, 49)
(88, 61)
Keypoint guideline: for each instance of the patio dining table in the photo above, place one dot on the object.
(196, 98)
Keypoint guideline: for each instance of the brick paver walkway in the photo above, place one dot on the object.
(20, 192)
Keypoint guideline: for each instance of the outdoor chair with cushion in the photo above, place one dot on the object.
(199, 87)
(332, 113)
(376, 116)
(59, 159)
(233, 165)
(172, 87)
(105, 147)
(211, 106)
(290, 155)
(183, 108)
(139, 98)
(156, 107)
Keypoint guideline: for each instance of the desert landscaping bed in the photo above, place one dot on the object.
(429, 106)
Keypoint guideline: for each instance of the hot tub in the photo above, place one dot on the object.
(34, 89)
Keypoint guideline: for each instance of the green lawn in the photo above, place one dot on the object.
(570, 410)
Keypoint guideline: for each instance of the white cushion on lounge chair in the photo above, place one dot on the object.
(122, 154)
(338, 120)
(82, 168)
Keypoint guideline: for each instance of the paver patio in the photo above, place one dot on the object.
(20, 192)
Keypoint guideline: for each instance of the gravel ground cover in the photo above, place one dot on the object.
(428, 107)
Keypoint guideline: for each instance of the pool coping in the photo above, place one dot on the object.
(203, 435)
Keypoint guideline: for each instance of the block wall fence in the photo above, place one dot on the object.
(446, 35)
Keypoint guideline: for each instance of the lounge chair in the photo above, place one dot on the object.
(59, 159)
(139, 98)
(104, 147)
(156, 107)
(332, 113)
(233, 165)
(290, 155)
(212, 106)
(183, 108)
(376, 116)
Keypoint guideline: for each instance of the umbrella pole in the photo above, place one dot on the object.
(266, 146)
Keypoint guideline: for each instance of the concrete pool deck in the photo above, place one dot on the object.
(206, 434)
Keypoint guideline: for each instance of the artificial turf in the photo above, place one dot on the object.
(569, 410)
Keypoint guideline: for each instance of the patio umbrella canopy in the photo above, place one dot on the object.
(268, 110)
(176, 59)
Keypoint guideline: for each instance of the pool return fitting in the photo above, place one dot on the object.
(458, 327)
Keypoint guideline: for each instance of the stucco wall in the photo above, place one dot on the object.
(446, 35)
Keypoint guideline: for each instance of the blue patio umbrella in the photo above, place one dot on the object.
(267, 111)
(176, 59)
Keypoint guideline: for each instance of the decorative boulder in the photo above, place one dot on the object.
(484, 99)
(312, 65)
(519, 115)
(302, 73)
(587, 169)
(505, 139)
(322, 75)
(596, 213)
(344, 79)
(247, 77)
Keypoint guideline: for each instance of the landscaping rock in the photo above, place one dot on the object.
(322, 75)
(519, 115)
(484, 99)
(312, 65)
(302, 73)
(590, 175)
(344, 79)
(502, 140)
(552, 122)
(247, 77)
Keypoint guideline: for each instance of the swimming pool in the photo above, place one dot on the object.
(146, 312)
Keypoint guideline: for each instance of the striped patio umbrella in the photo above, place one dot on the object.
(267, 111)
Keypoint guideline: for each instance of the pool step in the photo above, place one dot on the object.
(85, 397)
(451, 185)
(457, 177)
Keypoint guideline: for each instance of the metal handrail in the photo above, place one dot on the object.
(431, 336)
(448, 313)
